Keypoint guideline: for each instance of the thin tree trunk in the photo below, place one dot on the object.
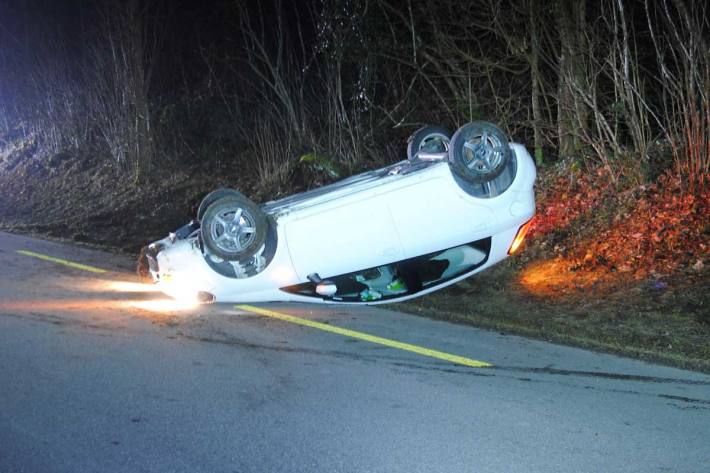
(579, 70)
(535, 78)
(571, 109)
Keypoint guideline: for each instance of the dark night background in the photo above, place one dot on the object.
(343, 78)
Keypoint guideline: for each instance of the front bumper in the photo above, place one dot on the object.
(171, 262)
(156, 247)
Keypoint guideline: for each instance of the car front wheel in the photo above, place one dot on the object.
(234, 228)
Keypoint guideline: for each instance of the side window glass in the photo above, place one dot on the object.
(404, 277)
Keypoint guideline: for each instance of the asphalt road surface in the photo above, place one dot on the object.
(97, 375)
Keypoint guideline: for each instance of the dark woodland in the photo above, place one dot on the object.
(150, 84)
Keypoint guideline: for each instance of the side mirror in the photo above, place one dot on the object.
(323, 288)
(326, 288)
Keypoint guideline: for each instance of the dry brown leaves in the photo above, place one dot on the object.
(590, 234)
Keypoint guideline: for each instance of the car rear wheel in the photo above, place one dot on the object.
(479, 152)
(214, 196)
(234, 228)
(428, 139)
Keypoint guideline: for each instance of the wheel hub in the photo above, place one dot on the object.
(483, 153)
(233, 230)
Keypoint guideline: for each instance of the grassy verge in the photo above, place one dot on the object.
(667, 323)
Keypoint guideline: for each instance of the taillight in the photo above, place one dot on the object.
(519, 237)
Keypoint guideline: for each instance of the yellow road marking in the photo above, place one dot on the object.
(71, 264)
(461, 360)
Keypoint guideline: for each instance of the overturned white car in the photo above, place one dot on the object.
(458, 205)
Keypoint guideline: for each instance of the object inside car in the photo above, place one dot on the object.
(404, 277)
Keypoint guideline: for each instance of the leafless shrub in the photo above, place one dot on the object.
(119, 75)
(299, 98)
(680, 38)
(454, 62)
(273, 151)
(627, 118)
(619, 130)
(40, 94)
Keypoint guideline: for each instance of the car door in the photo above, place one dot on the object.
(359, 234)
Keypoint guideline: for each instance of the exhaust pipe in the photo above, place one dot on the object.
(204, 297)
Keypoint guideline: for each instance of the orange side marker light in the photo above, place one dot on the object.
(519, 237)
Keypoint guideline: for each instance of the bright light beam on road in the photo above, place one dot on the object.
(163, 305)
(126, 286)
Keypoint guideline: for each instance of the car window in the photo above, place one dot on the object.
(403, 277)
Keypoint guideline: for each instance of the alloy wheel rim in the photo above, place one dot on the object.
(233, 230)
(483, 153)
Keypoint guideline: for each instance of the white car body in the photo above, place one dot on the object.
(366, 224)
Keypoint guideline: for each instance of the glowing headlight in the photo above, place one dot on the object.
(183, 290)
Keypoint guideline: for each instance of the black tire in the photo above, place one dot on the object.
(433, 139)
(479, 152)
(212, 197)
(228, 239)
